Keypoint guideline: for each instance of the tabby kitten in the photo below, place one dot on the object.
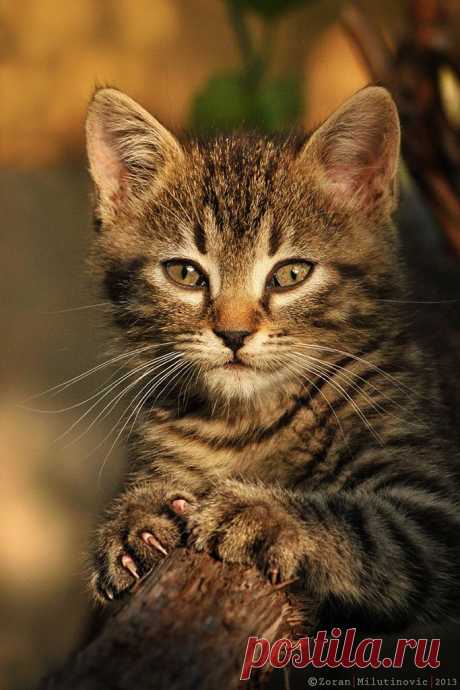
(285, 417)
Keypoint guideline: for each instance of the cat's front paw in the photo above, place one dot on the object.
(144, 526)
(249, 525)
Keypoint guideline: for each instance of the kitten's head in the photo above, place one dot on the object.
(245, 258)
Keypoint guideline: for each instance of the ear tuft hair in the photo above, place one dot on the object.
(127, 149)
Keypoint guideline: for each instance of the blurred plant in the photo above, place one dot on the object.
(421, 67)
(249, 96)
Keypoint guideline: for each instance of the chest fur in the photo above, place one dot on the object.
(277, 449)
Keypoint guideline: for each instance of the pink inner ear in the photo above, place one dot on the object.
(357, 180)
(358, 147)
(106, 167)
(357, 164)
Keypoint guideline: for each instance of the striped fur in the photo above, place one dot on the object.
(328, 458)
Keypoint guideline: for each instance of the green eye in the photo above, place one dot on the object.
(185, 274)
(289, 275)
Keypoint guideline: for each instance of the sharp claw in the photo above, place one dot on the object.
(128, 563)
(179, 505)
(149, 539)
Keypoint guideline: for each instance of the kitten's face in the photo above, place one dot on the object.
(250, 261)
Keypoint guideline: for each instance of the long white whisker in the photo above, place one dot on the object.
(102, 394)
(79, 308)
(358, 359)
(185, 366)
(348, 377)
(108, 387)
(169, 371)
(69, 382)
(328, 402)
(151, 384)
(376, 405)
(182, 394)
(182, 367)
(318, 372)
(340, 389)
(151, 366)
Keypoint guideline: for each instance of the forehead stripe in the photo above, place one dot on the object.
(200, 238)
(274, 240)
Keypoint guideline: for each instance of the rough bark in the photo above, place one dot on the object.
(185, 626)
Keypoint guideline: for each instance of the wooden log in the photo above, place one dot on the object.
(184, 626)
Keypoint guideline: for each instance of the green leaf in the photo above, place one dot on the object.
(279, 104)
(231, 102)
(269, 8)
(223, 105)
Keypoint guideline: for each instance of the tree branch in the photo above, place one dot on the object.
(186, 627)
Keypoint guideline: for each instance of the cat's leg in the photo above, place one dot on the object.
(383, 559)
(244, 523)
(143, 525)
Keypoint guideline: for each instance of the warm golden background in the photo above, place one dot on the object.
(52, 54)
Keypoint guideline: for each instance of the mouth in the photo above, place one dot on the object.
(235, 365)
(237, 380)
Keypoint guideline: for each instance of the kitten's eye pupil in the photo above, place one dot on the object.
(289, 275)
(185, 274)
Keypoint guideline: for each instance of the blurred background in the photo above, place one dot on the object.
(202, 65)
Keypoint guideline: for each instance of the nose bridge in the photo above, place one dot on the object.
(236, 312)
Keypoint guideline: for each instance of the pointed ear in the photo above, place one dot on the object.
(355, 152)
(127, 150)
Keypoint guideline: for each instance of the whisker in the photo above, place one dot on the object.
(110, 384)
(69, 382)
(114, 402)
(328, 402)
(318, 372)
(358, 359)
(348, 376)
(453, 300)
(183, 391)
(171, 380)
(151, 366)
(185, 366)
(379, 408)
(152, 383)
(168, 372)
(79, 308)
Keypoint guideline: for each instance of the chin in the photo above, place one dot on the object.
(241, 383)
